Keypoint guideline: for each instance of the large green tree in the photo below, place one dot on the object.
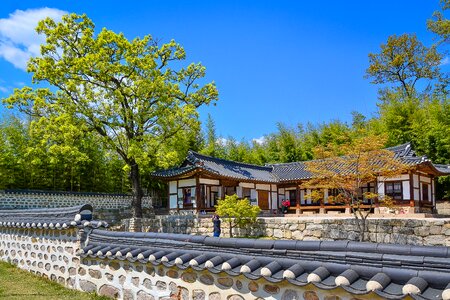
(404, 60)
(133, 94)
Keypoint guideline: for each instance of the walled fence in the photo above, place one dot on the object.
(425, 231)
(20, 199)
(67, 246)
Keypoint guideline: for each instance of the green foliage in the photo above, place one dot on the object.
(404, 60)
(125, 92)
(237, 212)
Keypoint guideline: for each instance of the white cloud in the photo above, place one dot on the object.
(18, 38)
(259, 140)
(445, 61)
(222, 141)
(4, 90)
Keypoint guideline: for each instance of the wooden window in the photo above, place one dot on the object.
(230, 190)
(394, 190)
(425, 192)
(246, 193)
(369, 188)
(336, 200)
(293, 198)
(187, 196)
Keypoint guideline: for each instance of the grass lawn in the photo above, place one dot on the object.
(18, 284)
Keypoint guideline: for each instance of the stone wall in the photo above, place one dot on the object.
(425, 231)
(49, 253)
(54, 254)
(443, 208)
(39, 199)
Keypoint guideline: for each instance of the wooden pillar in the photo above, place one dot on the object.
(322, 204)
(197, 194)
(420, 191)
(297, 199)
(411, 190)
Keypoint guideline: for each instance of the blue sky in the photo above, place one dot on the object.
(273, 61)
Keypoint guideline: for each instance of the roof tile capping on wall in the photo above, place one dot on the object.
(140, 265)
(390, 271)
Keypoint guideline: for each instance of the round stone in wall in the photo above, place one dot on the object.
(95, 274)
(87, 286)
(235, 297)
(271, 289)
(190, 277)
(198, 295)
(225, 281)
(161, 285)
(310, 295)
(332, 297)
(253, 286)
(214, 296)
(207, 279)
(172, 274)
(141, 295)
(147, 283)
(290, 295)
(239, 284)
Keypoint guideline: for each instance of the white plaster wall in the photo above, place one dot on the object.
(394, 178)
(173, 201)
(425, 179)
(209, 181)
(274, 200)
(406, 191)
(247, 185)
(239, 191)
(187, 182)
(172, 187)
(263, 187)
(416, 182)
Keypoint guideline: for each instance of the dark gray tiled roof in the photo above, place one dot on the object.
(275, 173)
(391, 271)
(220, 167)
(442, 168)
(51, 218)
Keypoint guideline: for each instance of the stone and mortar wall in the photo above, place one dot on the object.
(53, 254)
(443, 208)
(48, 253)
(426, 231)
(26, 200)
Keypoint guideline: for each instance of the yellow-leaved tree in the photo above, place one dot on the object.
(363, 160)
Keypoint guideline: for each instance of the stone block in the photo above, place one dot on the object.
(142, 295)
(88, 286)
(290, 295)
(225, 281)
(214, 296)
(95, 274)
(207, 279)
(109, 291)
(198, 295)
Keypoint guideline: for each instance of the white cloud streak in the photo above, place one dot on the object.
(259, 140)
(18, 38)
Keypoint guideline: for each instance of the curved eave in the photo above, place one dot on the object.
(188, 172)
(431, 169)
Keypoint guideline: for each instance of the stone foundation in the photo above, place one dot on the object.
(426, 231)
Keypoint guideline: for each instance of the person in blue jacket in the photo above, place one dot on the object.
(216, 224)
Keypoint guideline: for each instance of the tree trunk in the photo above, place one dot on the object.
(231, 229)
(136, 203)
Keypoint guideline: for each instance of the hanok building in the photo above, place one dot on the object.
(201, 180)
